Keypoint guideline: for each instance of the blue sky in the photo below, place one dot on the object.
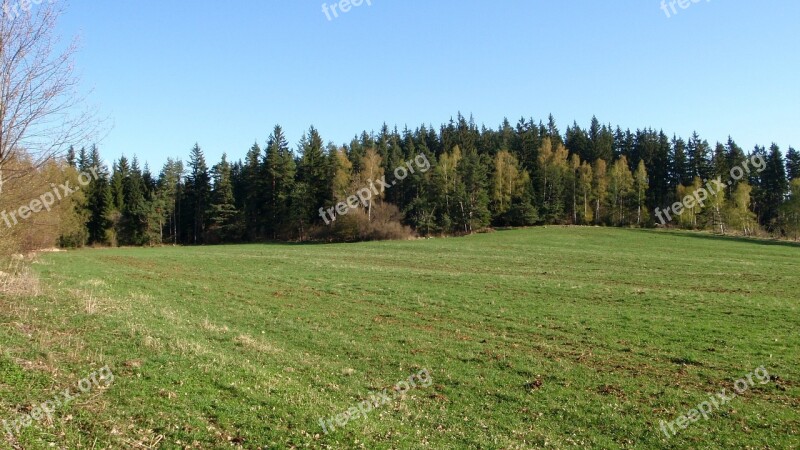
(169, 74)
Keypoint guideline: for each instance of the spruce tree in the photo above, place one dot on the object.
(71, 158)
(99, 201)
(681, 170)
(279, 178)
(773, 187)
(792, 164)
(314, 172)
(699, 159)
(254, 195)
(168, 199)
(197, 196)
(471, 196)
(223, 217)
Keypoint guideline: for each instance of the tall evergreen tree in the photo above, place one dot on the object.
(197, 196)
(734, 156)
(792, 164)
(71, 158)
(773, 187)
(578, 143)
(314, 170)
(279, 180)
(682, 170)
(699, 158)
(223, 217)
(83, 159)
(254, 192)
(471, 194)
(133, 222)
(99, 200)
(168, 199)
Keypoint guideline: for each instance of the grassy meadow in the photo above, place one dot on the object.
(539, 338)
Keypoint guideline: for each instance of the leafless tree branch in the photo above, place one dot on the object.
(42, 112)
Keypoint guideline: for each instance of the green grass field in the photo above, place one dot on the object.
(548, 337)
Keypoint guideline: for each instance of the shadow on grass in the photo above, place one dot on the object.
(717, 237)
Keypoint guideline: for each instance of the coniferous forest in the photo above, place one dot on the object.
(523, 174)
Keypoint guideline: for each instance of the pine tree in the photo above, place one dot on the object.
(133, 224)
(773, 188)
(168, 198)
(314, 171)
(682, 170)
(197, 196)
(578, 143)
(421, 211)
(254, 189)
(83, 159)
(698, 153)
(279, 178)
(223, 217)
(471, 193)
(792, 164)
(99, 201)
(71, 161)
(121, 172)
(526, 145)
(301, 209)
(719, 162)
(552, 132)
(734, 157)
(602, 141)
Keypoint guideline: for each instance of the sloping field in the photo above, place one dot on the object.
(548, 337)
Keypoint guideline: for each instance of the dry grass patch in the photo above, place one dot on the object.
(244, 340)
(18, 280)
(209, 326)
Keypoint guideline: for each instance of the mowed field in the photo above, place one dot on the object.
(546, 337)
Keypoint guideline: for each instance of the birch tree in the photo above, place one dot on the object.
(41, 111)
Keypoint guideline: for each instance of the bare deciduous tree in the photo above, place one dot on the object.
(41, 111)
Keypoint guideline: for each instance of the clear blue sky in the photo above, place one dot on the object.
(172, 73)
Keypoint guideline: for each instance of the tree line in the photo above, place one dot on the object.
(516, 175)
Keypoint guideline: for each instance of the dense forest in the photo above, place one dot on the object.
(517, 175)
